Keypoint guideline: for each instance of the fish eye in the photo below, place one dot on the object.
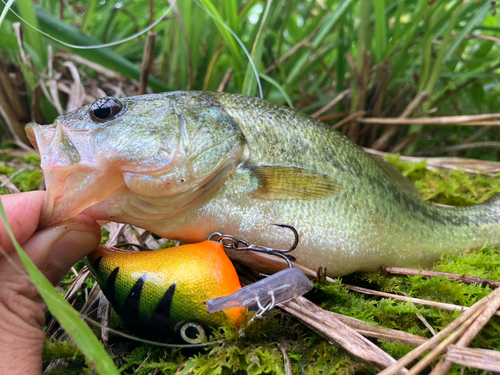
(105, 109)
(192, 333)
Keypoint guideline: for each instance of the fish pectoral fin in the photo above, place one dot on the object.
(287, 183)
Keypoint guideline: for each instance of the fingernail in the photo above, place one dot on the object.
(72, 247)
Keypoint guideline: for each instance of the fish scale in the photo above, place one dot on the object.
(238, 164)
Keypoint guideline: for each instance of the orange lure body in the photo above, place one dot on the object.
(158, 292)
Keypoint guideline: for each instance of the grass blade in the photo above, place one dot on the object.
(226, 34)
(31, 36)
(380, 30)
(478, 18)
(330, 21)
(249, 84)
(279, 87)
(5, 10)
(106, 57)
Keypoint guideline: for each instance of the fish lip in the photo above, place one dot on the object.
(71, 191)
(31, 132)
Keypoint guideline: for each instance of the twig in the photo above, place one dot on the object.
(8, 184)
(344, 121)
(401, 145)
(331, 116)
(464, 146)
(76, 92)
(333, 329)
(15, 153)
(15, 127)
(441, 305)
(145, 360)
(286, 359)
(225, 80)
(441, 348)
(92, 65)
(490, 309)
(473, 166)
(294, 49)
(382, 142)
(379, 332)
(361, 75)
(477, 134)
(483, 359)
(115, 230)
(147, 60)
(442, 120)
(414, 354)
(426, 323)
(466, 279)
(331, 103)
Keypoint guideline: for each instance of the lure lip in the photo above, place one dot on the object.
(266, 293)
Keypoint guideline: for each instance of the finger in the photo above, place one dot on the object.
(23, 214)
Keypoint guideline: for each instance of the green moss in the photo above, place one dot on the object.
(59, 349)
(68, 357)
(26, 178)
(455, 187)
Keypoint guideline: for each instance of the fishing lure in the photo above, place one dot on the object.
(160, 294)
(175, 294)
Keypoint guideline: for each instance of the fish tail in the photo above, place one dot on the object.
(487, 212)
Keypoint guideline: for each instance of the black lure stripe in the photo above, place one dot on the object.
(132, 301)
(110, 285)
(96, 264)
(161, 317)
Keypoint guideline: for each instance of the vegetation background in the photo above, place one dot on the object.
(382, 72)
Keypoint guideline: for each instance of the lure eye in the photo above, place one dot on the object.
(192, 333)
(105, 109)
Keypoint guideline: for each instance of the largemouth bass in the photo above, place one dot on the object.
(185, 164)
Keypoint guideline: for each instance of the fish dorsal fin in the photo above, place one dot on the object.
(287, 183)
(396, 176)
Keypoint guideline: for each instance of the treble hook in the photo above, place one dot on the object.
(233, 243)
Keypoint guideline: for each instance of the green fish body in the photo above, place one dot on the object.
(186, 164)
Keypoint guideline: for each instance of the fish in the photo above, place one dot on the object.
(185, 164)
(161, 294)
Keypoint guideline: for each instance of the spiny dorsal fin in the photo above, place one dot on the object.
(396, 176)
(285, 183)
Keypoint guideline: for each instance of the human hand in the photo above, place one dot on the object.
(54, 250)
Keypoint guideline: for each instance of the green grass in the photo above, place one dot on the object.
(425, 43)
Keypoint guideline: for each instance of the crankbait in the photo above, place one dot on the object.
(175, 294)
(160, 294)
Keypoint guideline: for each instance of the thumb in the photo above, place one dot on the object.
(55, 249)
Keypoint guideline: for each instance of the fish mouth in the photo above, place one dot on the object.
(69, 192)
(73, 181)
(30, 132)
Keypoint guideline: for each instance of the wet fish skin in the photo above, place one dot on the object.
(185, 164)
